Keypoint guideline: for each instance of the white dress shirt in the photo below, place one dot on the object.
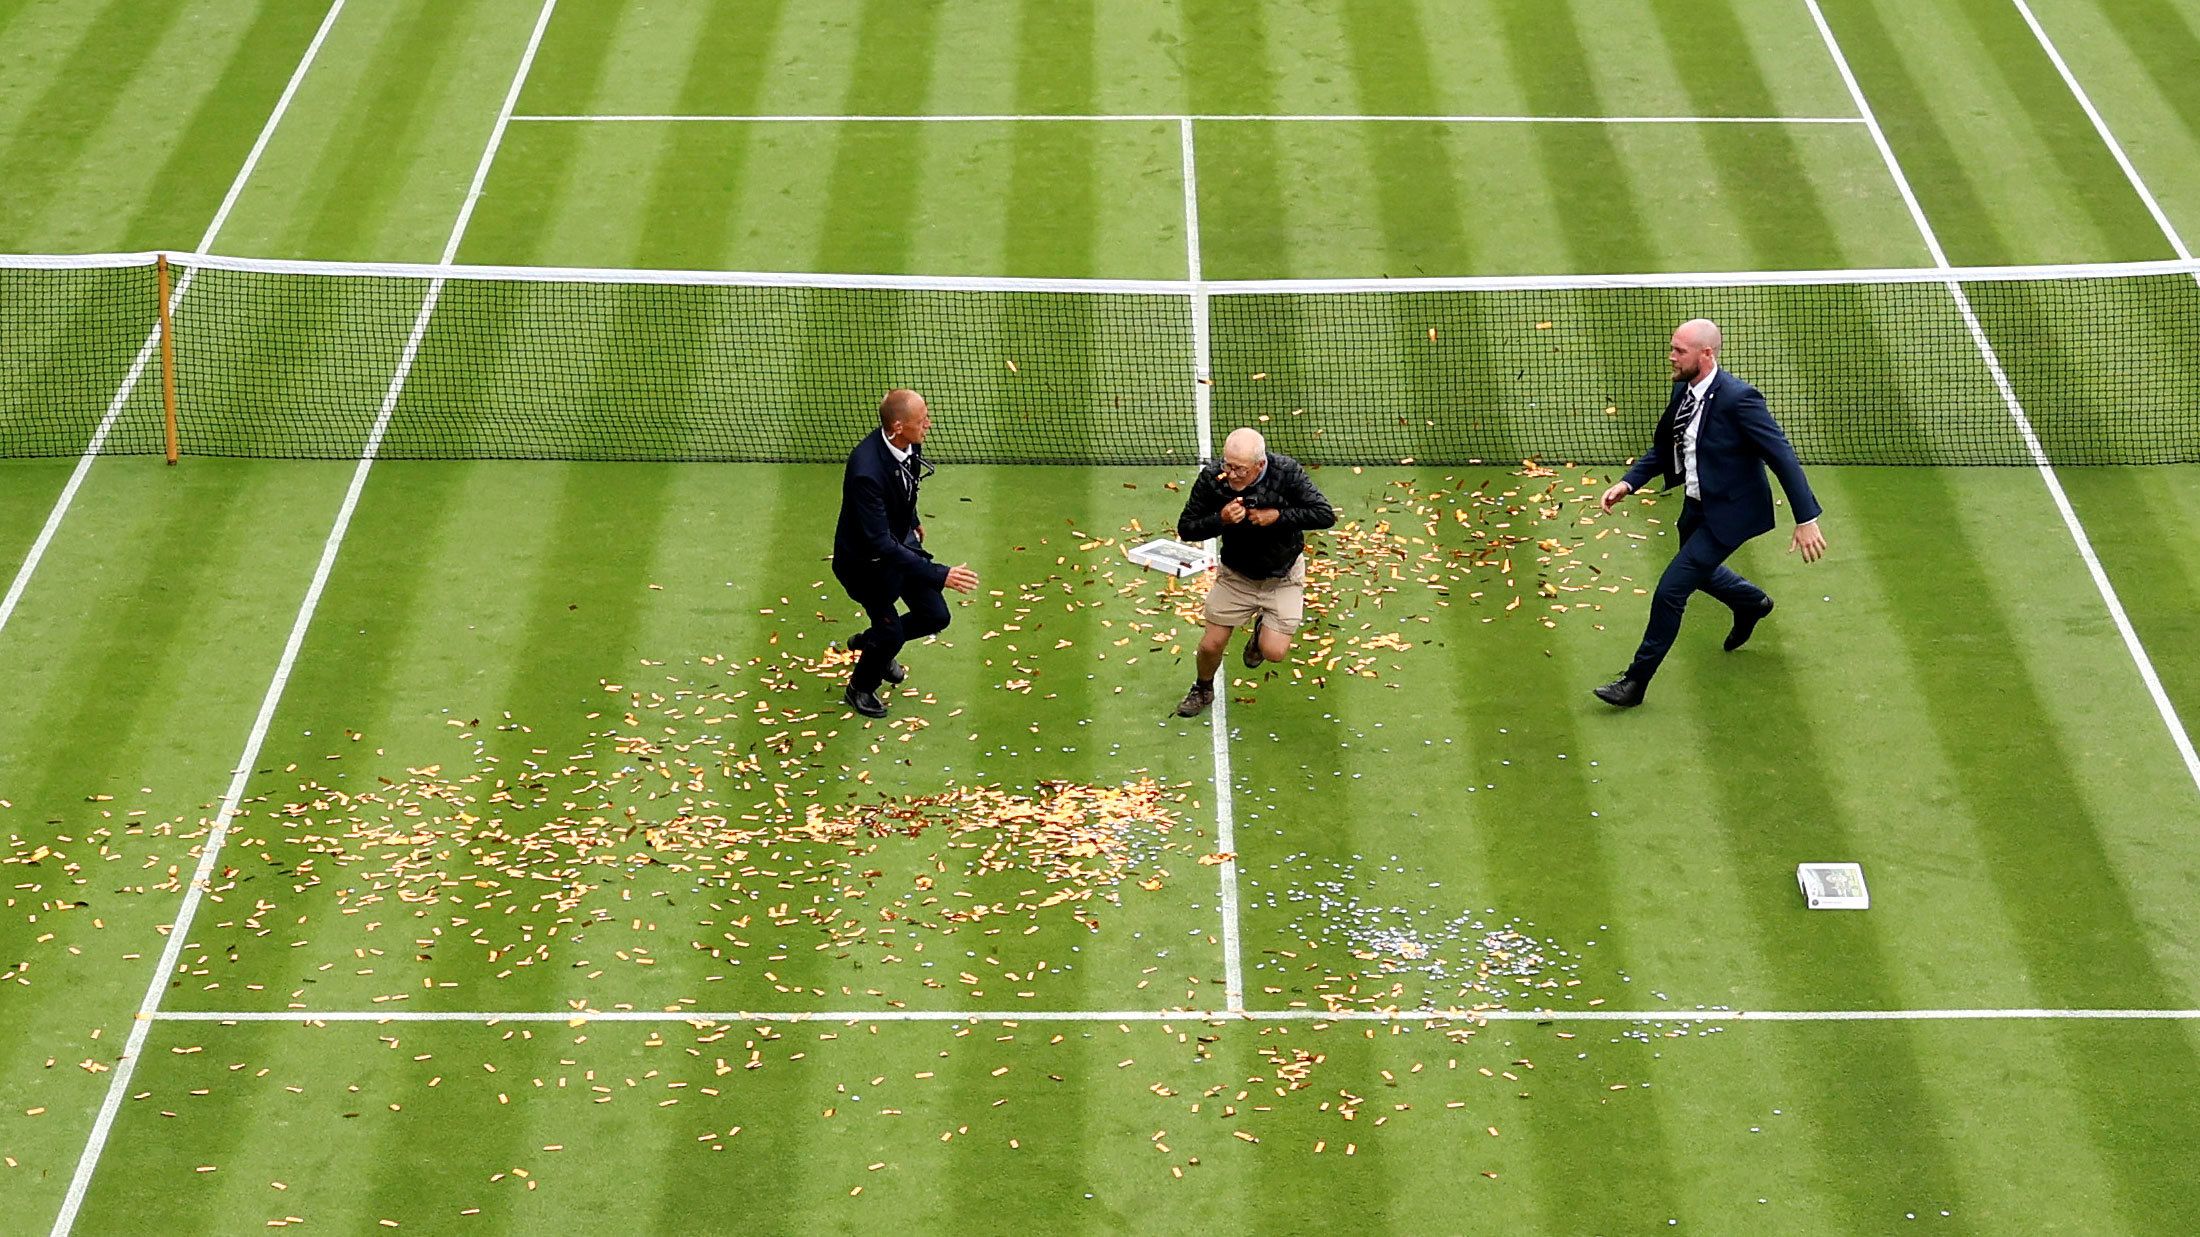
(1695, 427)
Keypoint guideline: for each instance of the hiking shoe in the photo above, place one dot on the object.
(1195, 701)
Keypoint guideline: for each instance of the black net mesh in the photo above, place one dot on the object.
(297, 363)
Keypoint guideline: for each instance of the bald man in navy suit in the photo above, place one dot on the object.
(878, 549)
(1714, 444)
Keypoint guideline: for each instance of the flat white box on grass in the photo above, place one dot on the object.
(1174, 557)
(1833, 886)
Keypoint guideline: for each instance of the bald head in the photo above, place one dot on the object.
(903, 418)
(1695, 349)
(1245, 446)
(1244, 455)
(900, 404)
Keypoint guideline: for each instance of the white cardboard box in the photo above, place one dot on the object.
(1174, 557)
(1833, 886)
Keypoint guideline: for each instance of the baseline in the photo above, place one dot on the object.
(842, 1016)
(1159, 117)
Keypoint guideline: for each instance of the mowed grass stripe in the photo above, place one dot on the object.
(215, 133)
(2145, 525)
(2163, 41)
(1243, 204)
(1978, 672)
(1920, 845)
(1985, 217)
(27, 492)
(1053, 198)
(420, 153)
(729, 53)
(1743, 798)
(83, 90)
(1787, 229)
(548, 173)
(1557, 853)
(876, 167)
(391, 113)
(1392, 73)
(2154, 112)
(1773, 809)
(1599, 220)
(2060, 129)
(153, 607)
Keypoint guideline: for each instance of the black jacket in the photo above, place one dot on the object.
(1250, 550)
(875, 546)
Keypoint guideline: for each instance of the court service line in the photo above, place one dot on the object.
(152, 338)
(843, 1017)
(210, 850)
(1233, 978)
(2179, 737)
(2100, 126)
(1164, 117)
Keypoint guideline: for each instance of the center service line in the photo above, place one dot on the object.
(1233, 979)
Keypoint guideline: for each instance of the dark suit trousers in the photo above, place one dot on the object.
(1699, 565)
(890, 629)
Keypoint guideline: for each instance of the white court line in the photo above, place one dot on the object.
(1162, 117)
(210, 851)
(2168, 711)
(152, 339)
(1202, 370)
(1233, 977)
(2100, 126)
(846, 1017)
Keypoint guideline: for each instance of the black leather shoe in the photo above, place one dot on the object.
(895, 671)
(865, 703)
(1744, 624)
(1252, 645)
(1621, 693)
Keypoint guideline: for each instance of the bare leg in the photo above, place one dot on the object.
(1211, 646)
(1274, 645)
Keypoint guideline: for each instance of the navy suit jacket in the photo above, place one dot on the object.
(875, 545)
(1736, 440)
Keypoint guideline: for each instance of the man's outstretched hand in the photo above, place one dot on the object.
(961, 578)
(1808, 540)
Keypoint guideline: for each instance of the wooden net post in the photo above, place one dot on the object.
(167, 357)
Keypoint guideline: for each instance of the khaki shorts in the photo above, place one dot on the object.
(1233, 600)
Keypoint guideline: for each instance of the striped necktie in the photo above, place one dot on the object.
(1690, 407)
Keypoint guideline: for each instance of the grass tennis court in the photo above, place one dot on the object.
(555, 891)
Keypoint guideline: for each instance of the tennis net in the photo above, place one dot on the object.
(2009, 365)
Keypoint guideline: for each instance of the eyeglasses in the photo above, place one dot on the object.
(919, 467)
